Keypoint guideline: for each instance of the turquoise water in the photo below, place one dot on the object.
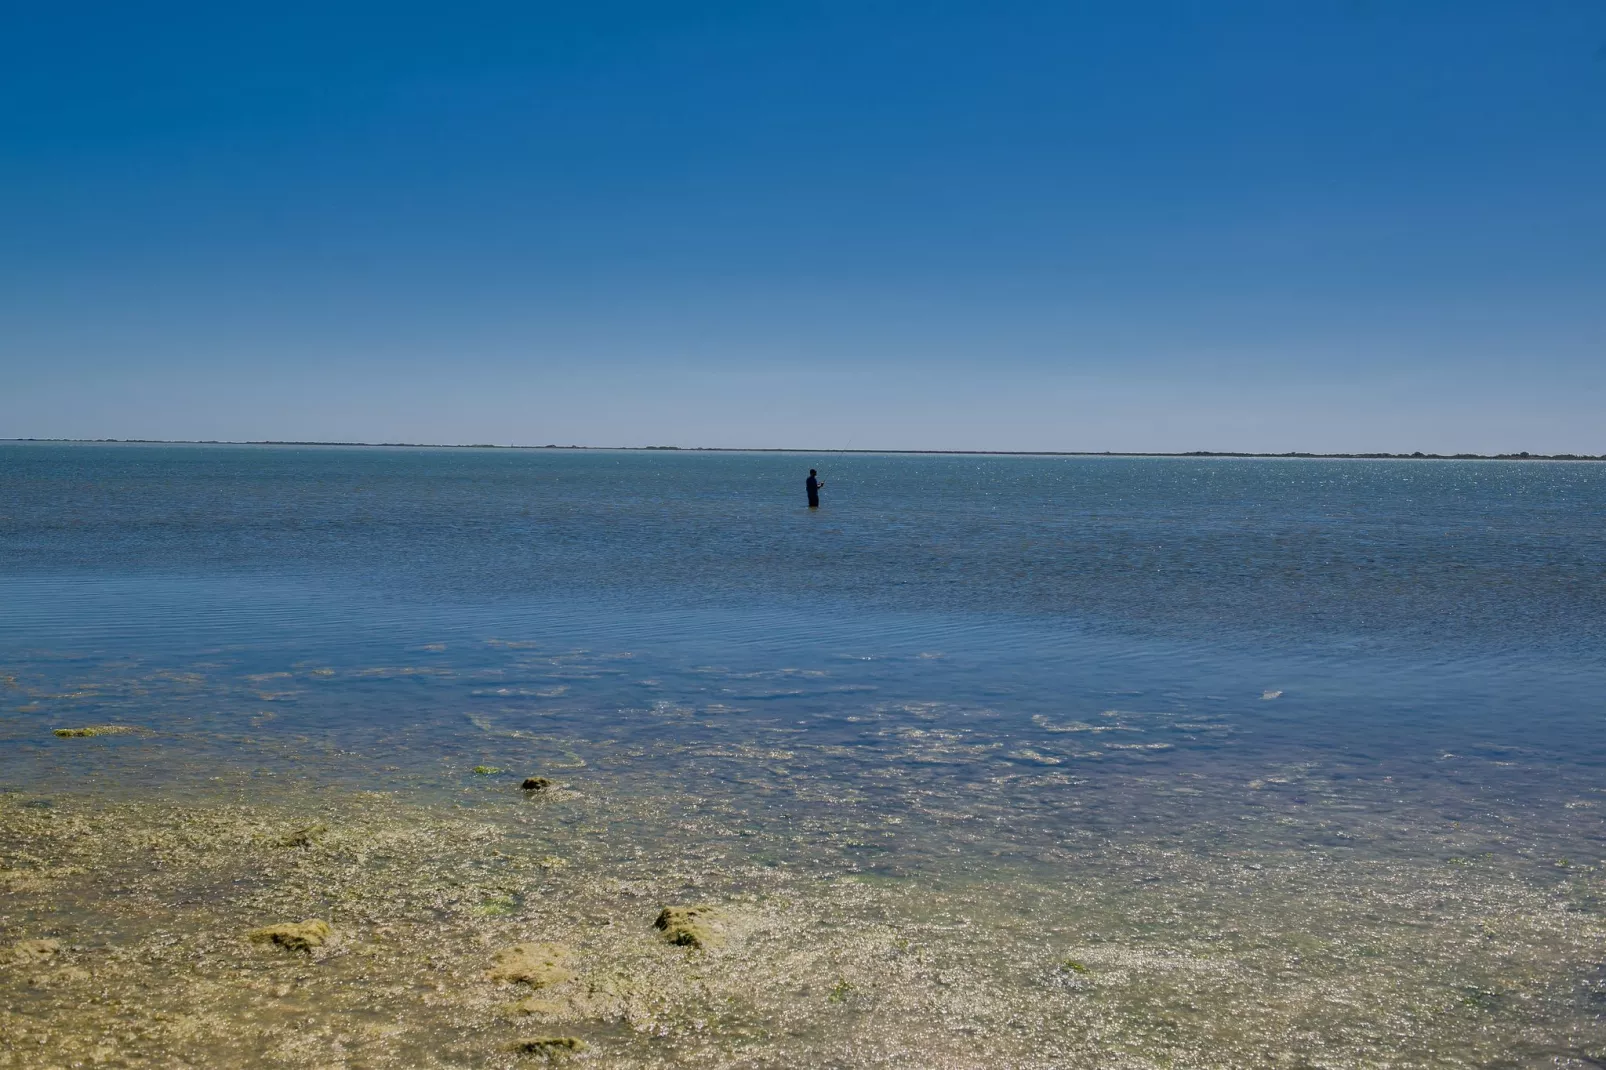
(1028, 678)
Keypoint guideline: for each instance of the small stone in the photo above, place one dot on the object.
(548, 1046)
(536, 783)
(537, 965)
(294, 935)
(693, 926)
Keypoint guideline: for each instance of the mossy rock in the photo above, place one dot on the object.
(293, 935)
(536, 783)
(537, 965)
(548, 1046)
(486, 770)
(498, 906)
(92, 730)
(544, 1008)
(691, 926)
(307, 836)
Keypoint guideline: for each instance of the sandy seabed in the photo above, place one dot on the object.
(126, 925)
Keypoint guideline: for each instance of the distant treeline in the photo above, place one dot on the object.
(1524, 456)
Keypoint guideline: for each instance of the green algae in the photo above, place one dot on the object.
(500, 906)
(92, 730)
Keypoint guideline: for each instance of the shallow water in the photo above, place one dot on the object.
(991, 761)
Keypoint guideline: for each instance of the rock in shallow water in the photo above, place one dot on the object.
(33, 951)
(690, 926)
(537, 965)
(544, 1008)
(536, 783)
(92, 730)
(307, 836)
(549, 1046)
(293, 935)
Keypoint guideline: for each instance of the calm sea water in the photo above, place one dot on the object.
(1182, 614)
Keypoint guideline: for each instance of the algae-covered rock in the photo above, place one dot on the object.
(486, 770)
(23, 880)
(536, 783)
(544, 1008)
(548, 1046)
(67, 975)
(92, 730)
(307, 836)
(30, 952)
(497, 906)
(690, 926)
(293, 935)
(537, 965)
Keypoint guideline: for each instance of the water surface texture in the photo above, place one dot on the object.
(989, 761)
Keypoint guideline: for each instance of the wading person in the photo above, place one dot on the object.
(813, 486)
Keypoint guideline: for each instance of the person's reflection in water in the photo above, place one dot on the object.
(813, 486)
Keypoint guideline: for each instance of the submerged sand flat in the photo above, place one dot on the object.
(503, 928)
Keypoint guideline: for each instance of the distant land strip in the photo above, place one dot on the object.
(792, 449)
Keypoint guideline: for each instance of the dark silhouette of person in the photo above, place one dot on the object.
(813, 485)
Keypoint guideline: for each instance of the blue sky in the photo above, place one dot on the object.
(1339, 225)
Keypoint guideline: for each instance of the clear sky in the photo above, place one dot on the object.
(1314, 225)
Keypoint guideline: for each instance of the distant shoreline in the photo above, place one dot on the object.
(793, 449)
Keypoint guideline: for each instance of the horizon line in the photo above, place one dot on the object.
(1296, 454)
